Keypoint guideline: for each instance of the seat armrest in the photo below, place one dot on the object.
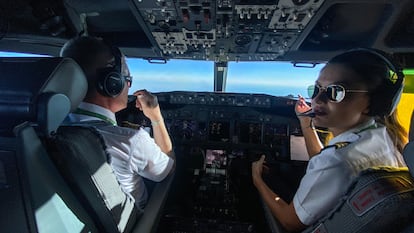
(152, 213)
(273, 224)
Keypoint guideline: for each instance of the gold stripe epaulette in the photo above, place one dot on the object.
(340, 145)
(337, 145)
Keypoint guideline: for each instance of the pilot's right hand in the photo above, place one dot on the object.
(148, 104)
(257, 169)
(301, 106)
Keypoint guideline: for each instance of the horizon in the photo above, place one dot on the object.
(272, 78)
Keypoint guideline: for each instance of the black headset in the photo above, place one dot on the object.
(110, 81)
(393, 88)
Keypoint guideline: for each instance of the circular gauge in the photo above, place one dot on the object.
(163, 25)
(300, 2)
(243, 40)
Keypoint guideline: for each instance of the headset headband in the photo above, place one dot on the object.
(397, 86)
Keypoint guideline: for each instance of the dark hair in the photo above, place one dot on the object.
(85, 50)
(372, 68)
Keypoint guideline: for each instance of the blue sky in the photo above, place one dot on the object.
(274, 78)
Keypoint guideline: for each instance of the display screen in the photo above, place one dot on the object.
(216, 158)
(219, 131)
(274, 135)
(249, 132)
(187, 129)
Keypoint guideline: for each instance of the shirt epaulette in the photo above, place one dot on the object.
(337, 145)
(340, 145)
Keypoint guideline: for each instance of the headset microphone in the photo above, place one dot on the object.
(132, 98)
(309, 113)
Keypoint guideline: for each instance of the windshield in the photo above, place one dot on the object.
(175, 75)
(273, 78)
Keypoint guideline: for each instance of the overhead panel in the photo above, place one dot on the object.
(225, 30)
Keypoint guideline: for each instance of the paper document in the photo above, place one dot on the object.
(298, 148)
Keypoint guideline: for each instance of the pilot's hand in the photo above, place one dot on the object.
(148, 104)
(257, 168)
(301, 106)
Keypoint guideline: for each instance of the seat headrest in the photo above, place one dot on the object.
(39, 90)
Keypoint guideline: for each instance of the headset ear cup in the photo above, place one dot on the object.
(110, 82)
(388, 88)
(397, 92)
(381, 108)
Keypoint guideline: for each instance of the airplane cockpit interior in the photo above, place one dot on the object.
(216, 134)
(216, 137)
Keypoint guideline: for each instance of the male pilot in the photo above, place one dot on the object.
(134, 154)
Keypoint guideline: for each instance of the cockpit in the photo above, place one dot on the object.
(227, 76)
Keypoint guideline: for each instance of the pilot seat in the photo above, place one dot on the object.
(56, 178)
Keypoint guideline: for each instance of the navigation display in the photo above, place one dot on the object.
(219, 131)
(216, 158)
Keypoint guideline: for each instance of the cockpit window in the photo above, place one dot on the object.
(12, 54)
(273, 78)
(175, 75)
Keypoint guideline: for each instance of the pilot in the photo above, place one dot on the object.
(354, 98)
(134, 153)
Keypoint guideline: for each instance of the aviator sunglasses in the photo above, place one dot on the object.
(334, 92)
(128, 79)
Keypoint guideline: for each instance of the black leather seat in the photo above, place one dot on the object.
(79, 153)
(409, 159)
(76, 190)
(380, 200)
(35, 96)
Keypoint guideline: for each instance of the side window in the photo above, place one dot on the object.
(55, 216)
(12, 54)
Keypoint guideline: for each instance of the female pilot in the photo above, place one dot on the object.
(354, 97)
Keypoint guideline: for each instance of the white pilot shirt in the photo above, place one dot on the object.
(134, 153)
(331, 172)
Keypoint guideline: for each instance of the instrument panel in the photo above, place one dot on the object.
(216, 137)
(232, 121)
(229, 121)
